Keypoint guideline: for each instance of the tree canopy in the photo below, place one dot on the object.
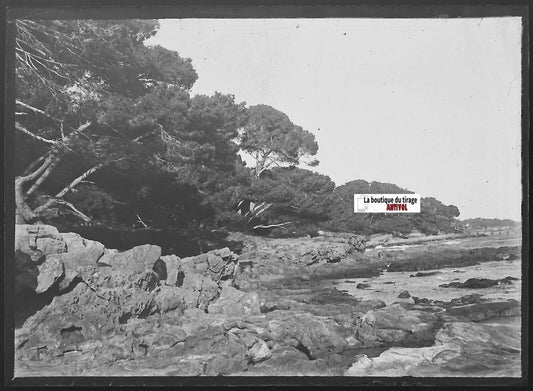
(94, 101)
(272, 139)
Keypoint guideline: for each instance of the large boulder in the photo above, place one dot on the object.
(44, 238)
(219, 265)
(82, 251)
(395, 325)
(315, 336)
(460, 349)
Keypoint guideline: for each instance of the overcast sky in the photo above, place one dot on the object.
(432, 105)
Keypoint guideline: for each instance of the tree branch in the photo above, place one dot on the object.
(76, 181)
(36, 173)
(44, 175)
(80, 129)
(75, 211)
(36, 110)
(34, 163)
(22, 129)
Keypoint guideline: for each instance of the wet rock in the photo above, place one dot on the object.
(481, 311)
(478, 283)
(423, 274)
(404, 295)
(508, 280)
(422, 301)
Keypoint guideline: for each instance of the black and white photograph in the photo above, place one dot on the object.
(247, 196)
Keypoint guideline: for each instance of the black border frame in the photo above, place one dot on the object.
(160, 9)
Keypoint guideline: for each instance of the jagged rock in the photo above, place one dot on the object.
(404, 295)
(313, 335)
(50, 271)
(259, 351)
(218, 264)
(235, 303)
(395, 325)
(423, 274)
(481, 311)
(289, 361)
(334, 254)
(81, 253)
(245, 266)
(472, 283)
(310, 258)
(174, 274)
(357, 243)
(136, 260)
(461, 349)
(45, 238)
(199, 291)
(169, 298)
(82, 249)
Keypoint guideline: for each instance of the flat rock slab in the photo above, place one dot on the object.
(136, 260)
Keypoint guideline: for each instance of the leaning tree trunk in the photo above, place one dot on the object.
(23, 214)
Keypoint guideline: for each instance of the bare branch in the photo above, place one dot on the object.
(36, 173)
(44, 175)
(75, 211)
(140, 220)
(81, 178)
(79, 130)
(33, 164)
(75, 182)
(36, 110)
(281, 225)
(22, 129)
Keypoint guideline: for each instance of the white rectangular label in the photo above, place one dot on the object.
(386, 203)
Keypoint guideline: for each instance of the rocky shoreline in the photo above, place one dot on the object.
(263, 312)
